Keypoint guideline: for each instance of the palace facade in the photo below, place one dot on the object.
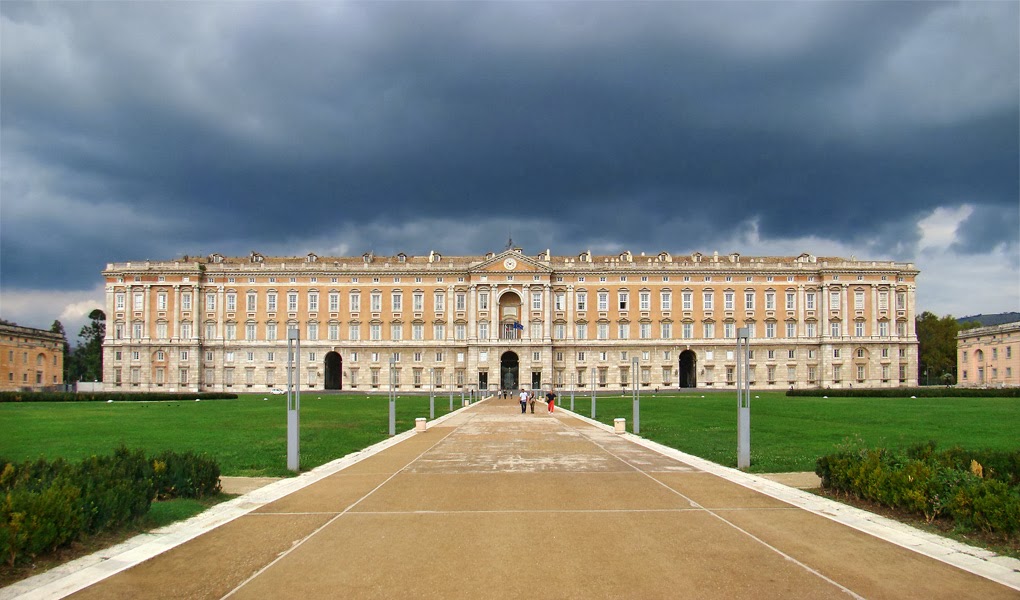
(508, 320)
(989, 356)
(30, 359)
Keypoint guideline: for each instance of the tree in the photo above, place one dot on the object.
(936, 348)
(88, 356)
(58, 328)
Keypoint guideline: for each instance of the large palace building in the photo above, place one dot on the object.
(508, 320)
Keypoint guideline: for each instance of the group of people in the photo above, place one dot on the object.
(528, 398)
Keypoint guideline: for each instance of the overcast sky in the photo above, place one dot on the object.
(149, 130)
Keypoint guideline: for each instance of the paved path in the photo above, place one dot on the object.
(490, 503)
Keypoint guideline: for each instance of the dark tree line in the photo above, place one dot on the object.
(936, 347)
(84, 362)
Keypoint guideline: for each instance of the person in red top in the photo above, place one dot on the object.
(550, 399)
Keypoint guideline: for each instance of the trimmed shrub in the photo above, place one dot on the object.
(118, 396)
(905, 392)
(186, 475)
(934, 484)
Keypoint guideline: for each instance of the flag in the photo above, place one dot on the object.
(517, 325)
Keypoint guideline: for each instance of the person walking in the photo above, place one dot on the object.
(550, 399)
(531, 400)
(524, 401)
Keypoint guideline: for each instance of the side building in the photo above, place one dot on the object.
(30, 359)
(989, 356)
(507, 320)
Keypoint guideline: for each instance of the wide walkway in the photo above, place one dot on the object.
(490, 503)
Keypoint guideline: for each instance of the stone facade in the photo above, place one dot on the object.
(989, 356)
(221, 323)
(30, 359)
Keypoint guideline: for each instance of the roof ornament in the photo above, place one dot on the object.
(510, 239)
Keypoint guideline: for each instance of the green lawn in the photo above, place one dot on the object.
(248, 436)
(789, 434)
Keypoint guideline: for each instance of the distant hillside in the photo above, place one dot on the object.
(989, 320)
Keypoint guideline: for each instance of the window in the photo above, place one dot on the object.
(334, 301)
(580, 356)
(770, 301)
(397, 301)
(139, 301)
(836, 353)
(231, 301)
(687, 298)
(558, 301)
(748, 300)
(687, 331)
(460, 331)
(728, 299)
(249, 331)
(809, 301)
(271, 302)
(859, 328)
(834, 329)
(603, 300)
(859, 300)
(645, 301)
(883, 328)
(833, 300)
(483, 301)
(333, 331)
(667, 330)
(119, 301)
(439, 300)
(251, 302)
(836, 373)
(770, 330)
(461, 299)
(375, 331)
(709, 330)
(292, 301)
(582, 300)
(161, 330)
(791, 330)
(438, 331)
(536, 300)
(645, 331)
(901, 301)
(707, 300)
(582, 331)
(536, 330)
(483, 330)
(355, 301)
(623, 331)
(729, 330)
(186, 330)
(883, 300)
(375, 301)
(811, 330)
(791, 300)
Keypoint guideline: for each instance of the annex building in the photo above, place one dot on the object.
(989, 356)
(30, 359)
(508, 319)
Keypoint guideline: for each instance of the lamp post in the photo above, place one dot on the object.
(572, 386)
(293, 399)
(743, 400)
(593, 392)
(637, 399)
(393, 396)
(432, 394)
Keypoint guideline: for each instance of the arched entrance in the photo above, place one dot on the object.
(334, 371)
(688, 369)
(509, 374)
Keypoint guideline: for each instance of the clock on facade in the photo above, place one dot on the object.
(510, 264)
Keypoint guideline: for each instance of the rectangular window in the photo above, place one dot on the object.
(536, 300)
(461, 300)
(186, 331)
(375, 332)
(119, 301)
(883, 328)
(334, 301)
(707, 300)
(139, 301)
(688, 300)
(809, 301)
(688, 330)
(559, 301)
(667, 330)
(859, 328)
(354, 332)
(249, 331)
(859, 300)
(791, 300)
(161, 330)
(811, 330)
(231, 331)
(791, 330)
(883, 301)
(728, 300)
(770, 330)
(440, 301)
(396, 331)
(460, 331)
(483, 330)
(582, 301)
(271, 302)
(833, 300)
(623, 298)
(645, 331)
(438, 331)
(666, 300)
(834, 329)
(251, 302)
(709, 330)
(748, 300)
(603, 300)
(645, 301)
(418, 301)
(333, 331)
(560, 331)
(292, 301)
(901, 301)
(375, 302)
(231, 302)
(770, 301)
(397, 301)
(355, 301)
(536, 331)
(417, 331)
(582, 331)
(729, 330)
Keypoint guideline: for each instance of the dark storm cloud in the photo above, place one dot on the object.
(226, 126)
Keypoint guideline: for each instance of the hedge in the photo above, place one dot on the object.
(920, 392)
(45, 505)
(952, 484)
(118, 396)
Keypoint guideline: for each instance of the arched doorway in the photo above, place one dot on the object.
(509, 373)
(334, 371)
(688, 369)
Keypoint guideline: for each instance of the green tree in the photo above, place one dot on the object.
(88, 356)
(58, 328)
(936, 348)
